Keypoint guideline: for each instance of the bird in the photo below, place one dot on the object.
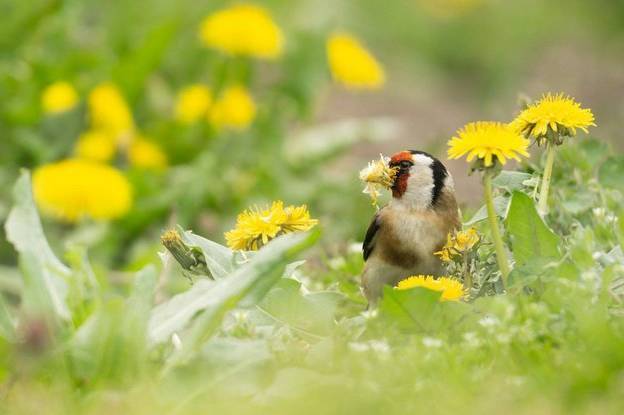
(404, 234)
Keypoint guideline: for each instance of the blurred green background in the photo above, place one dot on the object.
(447, 62)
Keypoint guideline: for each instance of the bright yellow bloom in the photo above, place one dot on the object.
(558, 112)
(488, 141)
(256, 227)
(193, 103)
(109, 111)
(451, 289)
(243, 29)
(352, 65)
(95, 145)
(145, 154)
(59, 97)
(73, 189)
(234, 109)
(377, 175)
(458, 244)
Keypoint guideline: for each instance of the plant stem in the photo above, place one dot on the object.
(542, 205)
(501, 254)
(466, 274)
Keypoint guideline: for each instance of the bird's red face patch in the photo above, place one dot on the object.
(400, 182)
(399, 157)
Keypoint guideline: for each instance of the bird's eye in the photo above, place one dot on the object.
(406, 164)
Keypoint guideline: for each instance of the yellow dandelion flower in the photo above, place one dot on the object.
(558, 112)
(255, 227)
(192, 103)
(297, 219)
(445, 254)
(59, 97)
(95, 145)
(352, 65)
(488, 141)
(465, 240)
(451, 289)
(243, 29)
(458, 244)
(109, 111)
(145, 154)
(377, 175)
(72, 189)
(234, 109)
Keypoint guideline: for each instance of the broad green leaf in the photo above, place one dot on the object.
(611, 173)
(308, 313)
(24, 231)
(173, 315)
(219, 259)
(249, 282)
(511, 180)
(501, 204)
(531, 238)
(419, 309)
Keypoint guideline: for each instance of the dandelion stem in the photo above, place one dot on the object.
(501, 254)
(542, 205)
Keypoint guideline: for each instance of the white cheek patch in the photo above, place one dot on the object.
(418, 194)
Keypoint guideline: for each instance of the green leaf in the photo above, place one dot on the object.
(246, 286)
(7, 323)
(410, 308)
(500, 206)
(511, 180)
(611, 173)
(419, 309)
(307, 313)
(219, 259)
(531, 238)
(46, 274)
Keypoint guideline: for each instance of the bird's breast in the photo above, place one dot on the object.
(409, 239)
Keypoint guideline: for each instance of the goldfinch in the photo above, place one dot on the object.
(404, 234)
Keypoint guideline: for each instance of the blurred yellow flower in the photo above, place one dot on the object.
(72, 189)
(451, 289)
(256, 227)
(145, 154)
(235, 109)
(352, 65)
(109, 111)
(458, 244)
(558, 112)
(59, 97)
(95, 145)
(192, 103)
(489, 142)
(243, 29)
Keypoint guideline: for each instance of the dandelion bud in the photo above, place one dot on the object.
(189, 259)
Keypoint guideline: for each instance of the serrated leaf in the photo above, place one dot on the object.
(24, 231)
(531, 238)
